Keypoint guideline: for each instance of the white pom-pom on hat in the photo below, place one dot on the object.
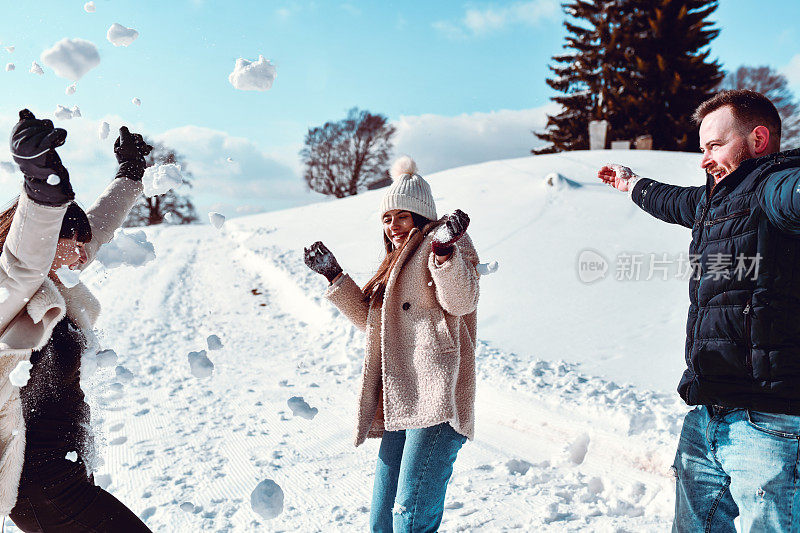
(408, 191)
(403, 165)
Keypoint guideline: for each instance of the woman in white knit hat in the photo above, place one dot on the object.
(418, 383)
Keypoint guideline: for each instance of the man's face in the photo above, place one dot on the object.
(722, 143)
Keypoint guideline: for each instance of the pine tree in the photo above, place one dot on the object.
(671, 73)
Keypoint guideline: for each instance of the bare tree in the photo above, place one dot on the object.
(172, 207)
(774, 86)
(342, 157)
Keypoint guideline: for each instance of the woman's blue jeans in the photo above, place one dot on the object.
(737, 462)
(414, 466)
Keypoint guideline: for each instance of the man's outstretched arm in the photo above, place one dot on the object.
(780, 199)
(670, 203)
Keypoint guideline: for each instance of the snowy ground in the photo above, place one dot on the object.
(577, 418)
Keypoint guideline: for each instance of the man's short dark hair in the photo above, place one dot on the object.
(750, 109)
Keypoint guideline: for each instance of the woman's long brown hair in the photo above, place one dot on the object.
(376, 287)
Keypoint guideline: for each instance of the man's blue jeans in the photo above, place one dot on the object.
(737, 462)
(414, 466)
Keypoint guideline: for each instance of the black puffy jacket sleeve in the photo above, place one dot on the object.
(670, 203)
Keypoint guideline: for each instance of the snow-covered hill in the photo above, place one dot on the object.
(577, 421)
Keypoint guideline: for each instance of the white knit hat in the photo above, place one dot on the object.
(409, 192)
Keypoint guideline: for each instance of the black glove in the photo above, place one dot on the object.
(319, 259)
(131, 150)
(33, 144)
(445, 236)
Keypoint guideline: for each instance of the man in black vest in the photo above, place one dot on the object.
(739, 449)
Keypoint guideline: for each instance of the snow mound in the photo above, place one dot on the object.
(578, 449)
(200, 365)
(253, 75)
(300, 408)
(103, 130)
(89, 7)
(123, 374)
(216, 219)
(71, 58)
(518, 466)
(559, 182)
(484, 269)
(106, 358)
(36, 68)
(4, 294)
(214, 343)
(267, 499)
(10, 67)
(8, 167)
(65, 113)
(187, 507)
(69, 278)
(71, 89)
(119, 35)
(130, 248)
(136, 101)
(159, 179)
(21, 374)
(71, 456)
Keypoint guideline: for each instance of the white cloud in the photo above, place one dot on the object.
(437, 142)
(792, 71)
(480, 21)
(36, 69)
(119, 35)
(71, 58)
(253, 75)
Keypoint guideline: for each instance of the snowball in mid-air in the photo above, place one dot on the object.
(484, 269)
(10, 49)
(71, 58)
(65, 113)
(200, 365)
(71, 456)
(159, 179)
(69, 278)
(102, 132)
(136, 101)
(36, 68)
(123, 374)
(267, 499)
(106, 358)
(253, 75)
(52, 179)
(129, 247)
(71, 89)
(300, 408)
(89, 7)
(10, 67)
(119, 35)
(21, 374)
(217, 219)
(214, 343)
(4, 294)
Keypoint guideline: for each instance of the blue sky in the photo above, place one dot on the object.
(464, 81)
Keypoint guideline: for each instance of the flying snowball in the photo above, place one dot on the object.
(159, 179)
(217, 219)
(103, 131)
(214, 343)
(123, 374)
(89, 7)
(69, 278)
(119, 35)
(253, 75)
(71, 89)
(267, 499)
(229, 160)
(71, 456)
(36, 68)
(52, 179)
(106, 358)
(136, 101)
(71, 58)
(484, 269)
(65, 113)
(128, 248)
(21, 374)
(10, 67)
(10, 49)
(200, 365)
(300, 408)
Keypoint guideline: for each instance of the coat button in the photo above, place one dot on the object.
(406, 306)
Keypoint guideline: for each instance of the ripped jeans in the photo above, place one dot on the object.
(737, 462)
(414, 466)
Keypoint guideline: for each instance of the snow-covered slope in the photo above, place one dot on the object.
(576, 419)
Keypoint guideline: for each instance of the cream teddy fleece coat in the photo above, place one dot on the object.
(420, 343)
(33, 305)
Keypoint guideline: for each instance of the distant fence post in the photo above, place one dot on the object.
(597, 134)
(620, 145)
(644, 142)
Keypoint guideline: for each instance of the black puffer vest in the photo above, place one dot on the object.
(743, 330)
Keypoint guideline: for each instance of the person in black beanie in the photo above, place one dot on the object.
(45, 482)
